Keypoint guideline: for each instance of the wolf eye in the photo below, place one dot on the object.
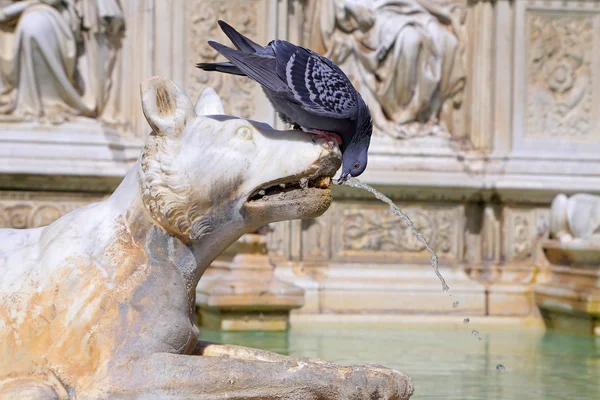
(245, 133)
(357, 165)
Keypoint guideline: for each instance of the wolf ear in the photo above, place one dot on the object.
(165, 106)
(209, 103)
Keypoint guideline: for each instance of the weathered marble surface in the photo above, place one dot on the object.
(100, 303)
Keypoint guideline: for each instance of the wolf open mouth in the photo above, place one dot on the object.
(289, 190)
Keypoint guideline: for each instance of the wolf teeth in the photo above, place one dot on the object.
(304, 183)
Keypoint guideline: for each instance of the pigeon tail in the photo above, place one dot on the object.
(225, 67)
(257, 67)
(241, 42)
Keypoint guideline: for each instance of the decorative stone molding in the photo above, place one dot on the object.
(24, 210)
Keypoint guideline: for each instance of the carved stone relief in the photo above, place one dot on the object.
(58, 58)
(521, 243)
(28, 210)
(523, 228)
(236, 92)
(560, 89)
(406, 57)
(373, 230)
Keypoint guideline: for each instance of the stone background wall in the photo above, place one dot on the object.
(493, 111)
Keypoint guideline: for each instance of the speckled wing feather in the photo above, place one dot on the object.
(318, 84)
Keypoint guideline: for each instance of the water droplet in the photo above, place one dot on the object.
(455, 304)
(434, 259)
(500, 368)
(480, 338)
(466, 321)
(474, 333)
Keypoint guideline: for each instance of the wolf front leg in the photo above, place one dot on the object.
(173, 376)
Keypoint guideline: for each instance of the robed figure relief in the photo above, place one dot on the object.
(59, 58)
(404, 56)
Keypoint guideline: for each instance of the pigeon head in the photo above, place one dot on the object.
(355, 155)
(354, 162)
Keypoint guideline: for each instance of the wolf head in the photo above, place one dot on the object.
(200, 172)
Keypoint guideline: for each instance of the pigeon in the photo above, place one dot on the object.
(307, 90)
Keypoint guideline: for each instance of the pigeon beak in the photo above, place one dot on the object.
(343, 178)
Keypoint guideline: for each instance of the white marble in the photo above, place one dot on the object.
(575, 218)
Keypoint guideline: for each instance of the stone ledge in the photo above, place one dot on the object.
(81, 155)
(235, 320)
(401, 170)
(453, 321)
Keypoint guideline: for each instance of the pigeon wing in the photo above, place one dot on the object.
(258, 67)
(316, 83)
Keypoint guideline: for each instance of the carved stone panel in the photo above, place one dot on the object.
(21, 210)
(523, 228)
(556, 81)
(560, 85)
(248, 17)
(371, 233)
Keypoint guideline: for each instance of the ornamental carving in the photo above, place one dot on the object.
(522, 240)
(380, 231)
(24, 213)
(236, 92)
(559, 74)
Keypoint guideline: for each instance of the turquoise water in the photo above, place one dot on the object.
(451, 363)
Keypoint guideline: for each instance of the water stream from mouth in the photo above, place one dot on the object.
(355, 183)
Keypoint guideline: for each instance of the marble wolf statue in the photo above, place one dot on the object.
(100, 304)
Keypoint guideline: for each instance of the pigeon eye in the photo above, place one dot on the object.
(357, 165)
(245, 133)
